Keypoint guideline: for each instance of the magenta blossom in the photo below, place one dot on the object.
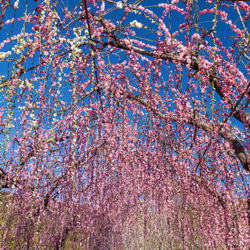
(39, 8)
(35, 27)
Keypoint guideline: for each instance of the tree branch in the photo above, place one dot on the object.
(194, 65)
(195, 121)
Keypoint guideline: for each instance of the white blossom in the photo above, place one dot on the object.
(25, 83)
(18, 51)
(54, 120)
(77, 31)
(3, 55)
(119, 5)
(62, 39)
(22, 85)
(16, 4)
(34, 123)
(29, 85)
(63, 102)
(136, 24)
(34, 120)
(75, 50)
(18, 48)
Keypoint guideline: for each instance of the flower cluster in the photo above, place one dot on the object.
(4, 55)
(108, 133)
(25, 84)
(136, 24)
(18, 48)
(16, 4)
(119, 5)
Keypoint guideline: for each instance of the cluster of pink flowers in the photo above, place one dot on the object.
(119, 132)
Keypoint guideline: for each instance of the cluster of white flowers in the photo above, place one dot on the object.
(34, 120)
(78, 31)
(22, 43)
(136, 24)
(63, 102)
(119, 5)
(17, 49)
(4, 55)
(8, 123)
(26, 83)
(75, 43)
(22, 107)
(54, 119)
(16, 4)
(76, 50)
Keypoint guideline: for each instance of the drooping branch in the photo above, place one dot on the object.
(239, 149)
(213, 78)
(3, 181)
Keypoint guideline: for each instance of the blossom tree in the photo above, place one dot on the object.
(124, 124)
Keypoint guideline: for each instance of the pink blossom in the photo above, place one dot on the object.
(133, 136)
(39, 8)
(35, 27)
(195, 38)
(7, 22)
